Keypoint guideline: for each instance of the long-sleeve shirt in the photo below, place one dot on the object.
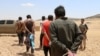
(64, 34)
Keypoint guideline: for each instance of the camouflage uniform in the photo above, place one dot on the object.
(83, 28)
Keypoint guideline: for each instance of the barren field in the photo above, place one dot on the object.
(9, 45)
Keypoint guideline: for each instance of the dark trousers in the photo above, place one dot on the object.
(20, 37)
(46, 50)
(27, 49)
(41, 37)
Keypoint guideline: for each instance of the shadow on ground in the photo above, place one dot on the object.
(25, 54)
(16, 40)
(15, 45)
(38, 49)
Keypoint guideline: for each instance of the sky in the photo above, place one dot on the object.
(12, 9)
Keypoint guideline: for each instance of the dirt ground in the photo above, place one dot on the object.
(9, 45)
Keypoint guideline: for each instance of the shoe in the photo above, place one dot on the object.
(32, 54)
(21, 44)
(26, 52)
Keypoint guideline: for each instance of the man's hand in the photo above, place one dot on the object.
(70, 53)
(74, 54)
(65, 54)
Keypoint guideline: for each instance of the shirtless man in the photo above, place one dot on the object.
(29, 26)
(84, 28)
(20, 30)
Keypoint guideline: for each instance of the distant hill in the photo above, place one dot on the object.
(68, 18)
(90, 17)
(95, 16)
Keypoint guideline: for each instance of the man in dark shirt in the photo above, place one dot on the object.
(65, 35)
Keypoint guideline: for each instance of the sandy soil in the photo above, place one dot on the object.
(9, 45)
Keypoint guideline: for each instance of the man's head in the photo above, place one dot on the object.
(59, 11)
(28, 16)
(82, 21)
(43, 18)
(19, 18)
(50, 17)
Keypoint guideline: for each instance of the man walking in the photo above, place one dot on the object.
(41, 34)
(20, 30)
(46, 37)
(64, 34)
(84, 28)
(30, 33)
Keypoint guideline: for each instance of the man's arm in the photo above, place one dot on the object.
(26, 27)
(45, 33)
(23, 26)
(54, 40)
(86, 28)
(77, 40)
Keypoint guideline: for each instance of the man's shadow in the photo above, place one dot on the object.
(38, 49)
(15, 40)
(25, 54)
(15, 45)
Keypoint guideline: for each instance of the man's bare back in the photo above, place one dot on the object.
(20, 26)
(29, 23)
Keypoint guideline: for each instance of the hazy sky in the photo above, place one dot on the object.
(12, 9)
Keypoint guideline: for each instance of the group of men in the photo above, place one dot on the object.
(61, 37)
(26, 28)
